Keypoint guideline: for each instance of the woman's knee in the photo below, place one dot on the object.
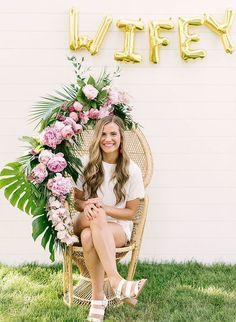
(86, 239)
(100, 219)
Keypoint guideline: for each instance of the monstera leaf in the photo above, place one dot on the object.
(18, 190)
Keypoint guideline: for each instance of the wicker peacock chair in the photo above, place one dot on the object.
(140, 153)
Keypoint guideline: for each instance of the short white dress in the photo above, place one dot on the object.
(134, 188)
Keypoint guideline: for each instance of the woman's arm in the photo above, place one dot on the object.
(79, 200)
(127, 213)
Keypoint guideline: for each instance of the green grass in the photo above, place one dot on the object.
(188, 292)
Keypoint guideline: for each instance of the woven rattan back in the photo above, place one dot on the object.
(136, 146)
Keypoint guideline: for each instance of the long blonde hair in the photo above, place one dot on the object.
(93, 172)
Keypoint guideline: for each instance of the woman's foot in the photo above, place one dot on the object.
(97, 310)
(128, 291)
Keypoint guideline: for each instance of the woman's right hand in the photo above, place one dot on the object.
(90, 211)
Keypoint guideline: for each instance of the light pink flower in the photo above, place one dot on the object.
(84, 117)
(59, 185)
(113, 96)
(124, 97)
(57, 163)
(78, 129)
(38, 174)
(78, 106)
(104, 111)
(93, 113)
(60, 226)
(90, 92)
(45, 156)
(67, 132)
(74, 116)
(63, 107)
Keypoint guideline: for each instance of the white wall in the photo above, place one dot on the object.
(187, 109)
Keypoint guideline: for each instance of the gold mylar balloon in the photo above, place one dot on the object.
(155, 41)
(222, 29)
(77, 42)
(129, 27)
(185, 38)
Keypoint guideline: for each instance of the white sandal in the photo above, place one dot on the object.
(125, 296)
(97, 314)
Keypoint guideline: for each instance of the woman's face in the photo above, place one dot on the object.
(110, 138)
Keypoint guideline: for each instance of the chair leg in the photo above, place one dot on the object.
(65, 273)
(70, 280)
(133, 263)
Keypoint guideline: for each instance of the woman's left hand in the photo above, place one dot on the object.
(96, 201)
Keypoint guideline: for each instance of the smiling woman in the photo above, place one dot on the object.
(108, 194)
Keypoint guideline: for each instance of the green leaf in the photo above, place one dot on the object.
(102, 96)
(46, 237)
(39, 226)
(18, 190)
(32, 141)
(91, 81)
(93, 104)
(51, 248)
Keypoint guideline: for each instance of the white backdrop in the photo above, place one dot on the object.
(188, 111)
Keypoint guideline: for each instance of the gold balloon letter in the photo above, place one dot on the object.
(222, 29)
(129, 26)
(155, 41)
(185, 38)
(77, 42)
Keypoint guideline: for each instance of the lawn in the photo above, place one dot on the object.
(188, 292)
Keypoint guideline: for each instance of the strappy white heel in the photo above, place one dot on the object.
(97, 310)
(125, 295)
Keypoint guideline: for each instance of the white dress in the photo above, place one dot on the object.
(134, 188)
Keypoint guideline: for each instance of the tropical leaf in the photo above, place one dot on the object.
(40, 224)
(18, 190)
(51, 104)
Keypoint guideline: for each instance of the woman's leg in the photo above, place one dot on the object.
(92, 260)
(106, 237)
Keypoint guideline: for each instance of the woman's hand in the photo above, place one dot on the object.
(90, 211)
(96, 201)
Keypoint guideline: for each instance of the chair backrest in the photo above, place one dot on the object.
(137, 147)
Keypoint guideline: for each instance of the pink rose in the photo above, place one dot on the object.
(38, 174)
(74, 116)
(45, 156)
(78, 106)
(93, 113)
(67, 132)
(71, 108)
(90, 92)
(57, 164)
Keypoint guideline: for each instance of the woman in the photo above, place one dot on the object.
(107, 197)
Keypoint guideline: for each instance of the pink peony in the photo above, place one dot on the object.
(59, 185)
(74, 116)
(67, 132)
(38, 174)
(93, 113)
(71, 108)
(90, 92)
(78, 129)
(57, 163)
(51, 137)
(78, 106)
(45, 156)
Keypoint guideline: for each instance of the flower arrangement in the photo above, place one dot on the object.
(40, 182)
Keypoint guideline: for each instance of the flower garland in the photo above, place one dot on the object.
(40, 182)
